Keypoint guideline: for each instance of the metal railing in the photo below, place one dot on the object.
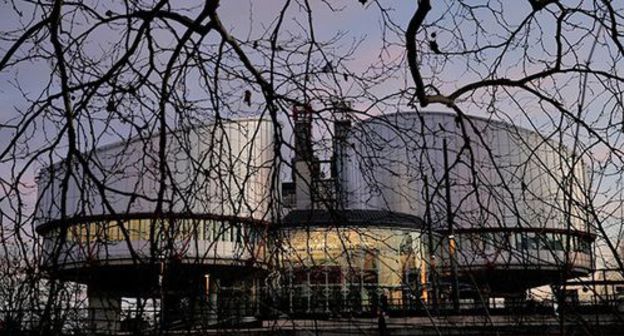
(330, 309)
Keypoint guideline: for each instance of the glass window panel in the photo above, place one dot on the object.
(528, 241)
(136, 229)
(144, 227)
(209, 230)
(532, 241)
(182, 228)
(117, 230)
(557, 242)
(216, 230)
(87, 233)
(71, 234)
(239, 237)
(519, 241)
(223, 231)
(544, 240)
(113, 231)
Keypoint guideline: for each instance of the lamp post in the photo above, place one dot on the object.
(161, 287)
(451, 231)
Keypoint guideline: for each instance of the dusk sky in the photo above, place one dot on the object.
(252, 19)
(155, 113)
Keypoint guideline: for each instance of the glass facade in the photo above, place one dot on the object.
(141, 229)
(528, 240)
(192, 238)
(351, 270)
(521, 250)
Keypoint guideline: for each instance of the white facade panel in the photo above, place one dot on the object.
(221, 169)
(500, 176)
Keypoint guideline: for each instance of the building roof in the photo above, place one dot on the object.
(361, 218)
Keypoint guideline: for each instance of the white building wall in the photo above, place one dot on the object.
(501, 176)
(223, 169)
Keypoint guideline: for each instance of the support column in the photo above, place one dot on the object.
(104, 311)
(249, 300)
(212, 286)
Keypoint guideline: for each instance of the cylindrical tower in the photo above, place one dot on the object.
(510, 201)
(206, 234)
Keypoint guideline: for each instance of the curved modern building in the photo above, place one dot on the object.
(111, 233)
(509, 201)
(420, 209)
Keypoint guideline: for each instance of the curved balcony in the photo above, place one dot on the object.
(203, 242)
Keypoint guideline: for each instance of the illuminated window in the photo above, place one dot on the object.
(185, 228)
(112, 232)
(98, 229)
(146, 228)
(84, 233)
(72, 234)
(134, 228)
